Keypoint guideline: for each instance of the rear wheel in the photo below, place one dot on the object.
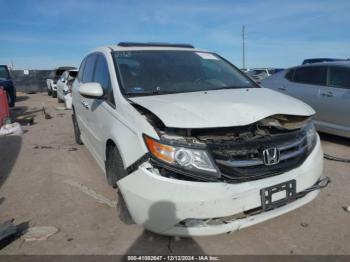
(49, 92)
(54, 93)
(59, 100)
(77, 133)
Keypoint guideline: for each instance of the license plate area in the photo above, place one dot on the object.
(278, 195)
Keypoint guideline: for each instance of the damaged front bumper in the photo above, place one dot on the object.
(186, 208)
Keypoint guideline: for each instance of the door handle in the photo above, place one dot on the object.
(327, 94)
(282, 88)
(85, 104)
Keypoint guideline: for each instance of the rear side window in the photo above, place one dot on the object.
(89, 69)
(311, 75)
(339, 77)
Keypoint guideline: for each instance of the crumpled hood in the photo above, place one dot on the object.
(221, 108)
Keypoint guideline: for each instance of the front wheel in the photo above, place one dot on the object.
(54, 93)
(49, 92)
(77, 134)
(114, 166)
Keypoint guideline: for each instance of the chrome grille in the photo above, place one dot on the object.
(243, 161)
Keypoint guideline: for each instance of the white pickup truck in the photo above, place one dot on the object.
(54, 76)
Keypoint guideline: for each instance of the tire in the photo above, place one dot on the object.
(114, 166)
(59, 100)
(77, 134)
(12, 100)
(49, 92)
(54, 94)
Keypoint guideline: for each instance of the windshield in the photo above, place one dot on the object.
(4, 74)
(159, 72)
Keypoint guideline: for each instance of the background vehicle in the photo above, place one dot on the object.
(54, 76)
(64, 86)
(194, 145)
(7, 84)
(258, 74)
(319, 60)
(324, 86)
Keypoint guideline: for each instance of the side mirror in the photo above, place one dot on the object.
(91, 90)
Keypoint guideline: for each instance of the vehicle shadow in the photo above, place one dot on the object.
(9, 149)
(335, 139)
(21, 98)
(23, 110)
(21, 114)
(153, 244)
(20, 229)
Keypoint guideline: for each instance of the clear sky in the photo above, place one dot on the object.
(43, 34)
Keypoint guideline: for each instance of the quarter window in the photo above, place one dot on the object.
(311, 75)
(339, 77)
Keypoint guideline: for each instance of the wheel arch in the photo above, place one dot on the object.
(110, 143)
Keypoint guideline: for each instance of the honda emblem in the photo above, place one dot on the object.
(271, 156)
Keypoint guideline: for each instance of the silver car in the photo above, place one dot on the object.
(325, 87)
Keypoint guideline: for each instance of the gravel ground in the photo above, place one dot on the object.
(48, 180)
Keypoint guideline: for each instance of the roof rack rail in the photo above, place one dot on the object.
(130, 44)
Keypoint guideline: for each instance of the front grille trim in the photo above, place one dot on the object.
(258, 161)
(243, 161)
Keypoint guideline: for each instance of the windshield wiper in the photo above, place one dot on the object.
(230, 87)
(149, 93)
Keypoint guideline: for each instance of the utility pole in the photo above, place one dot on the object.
(243, 47)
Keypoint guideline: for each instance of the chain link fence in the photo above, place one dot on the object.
(30, 81)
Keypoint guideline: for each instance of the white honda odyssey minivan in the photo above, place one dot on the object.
(194, 146)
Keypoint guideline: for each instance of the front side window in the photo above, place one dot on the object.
(73, 74)
(314, 75)
(102, 77)
(290, 75)
(157, 72)
(339, 77)
(81, 70)
(89, 69)
(59, 72)
(4, 74)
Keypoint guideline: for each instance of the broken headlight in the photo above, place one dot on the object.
(311, 136)
(179, 157)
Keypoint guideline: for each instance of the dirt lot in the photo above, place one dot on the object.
(48, 180)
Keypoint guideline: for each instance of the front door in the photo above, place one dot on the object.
(306, 84)
(335, 97)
